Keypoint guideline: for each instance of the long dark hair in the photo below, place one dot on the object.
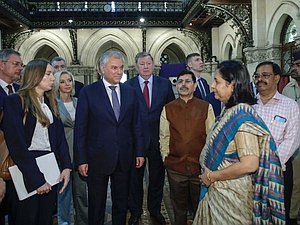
(33, 75)
(236, 72)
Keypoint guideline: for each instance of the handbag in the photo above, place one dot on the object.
(5, 159)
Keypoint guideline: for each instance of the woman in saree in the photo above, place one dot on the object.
(242, 181)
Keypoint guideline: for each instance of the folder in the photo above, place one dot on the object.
(47, 165)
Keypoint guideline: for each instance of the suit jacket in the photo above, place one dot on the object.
(216, 104)
(78, 87)
(101, 141)
(3, 94)
(67, 122)
(197, 92)
(162, 93)
(18, 139)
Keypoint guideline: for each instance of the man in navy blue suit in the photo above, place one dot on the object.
(153, 93)
(109, 140)
(195, 64)
(11, 67)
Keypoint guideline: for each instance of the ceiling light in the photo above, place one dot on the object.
(142, 20)
(70, 21)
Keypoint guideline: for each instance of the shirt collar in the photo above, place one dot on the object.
(106, 84)
(141, 80)
(3, 84)
(276, 97)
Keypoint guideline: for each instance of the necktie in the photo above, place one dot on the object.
(201, 89)
(10, 89)
(115, 101)
(146, 93)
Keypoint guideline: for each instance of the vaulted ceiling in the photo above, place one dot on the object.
(17, 15)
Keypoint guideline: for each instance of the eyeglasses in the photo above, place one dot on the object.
(15, 63)
(187, 81)
(264, 76)
(295, 64)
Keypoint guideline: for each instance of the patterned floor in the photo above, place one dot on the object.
(166, 208)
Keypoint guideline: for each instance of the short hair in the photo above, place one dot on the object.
(142, 55)
(234, 71)
(275, 67)
(190, 56)
(56, 81)
(109, 54)
(57, 59)
(184, 72)
(6, 53)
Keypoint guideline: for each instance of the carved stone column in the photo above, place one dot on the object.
(85, 74)
(258, 55)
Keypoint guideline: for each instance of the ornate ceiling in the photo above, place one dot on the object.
(196, 15)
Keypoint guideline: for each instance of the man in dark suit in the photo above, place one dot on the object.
(11, 67)
(108, 135)
(195, 64)
(59, 64)
(153, 93)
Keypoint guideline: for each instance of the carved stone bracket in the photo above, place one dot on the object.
(253, 55)
(239, 18)
(15, 39)
(85, 74)
(73, 36)
(202, 40)
(144, 35)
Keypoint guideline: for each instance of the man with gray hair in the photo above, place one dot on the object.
(153, 93)
(108, 135)
(11, 67)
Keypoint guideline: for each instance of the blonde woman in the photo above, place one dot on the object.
(64, 87)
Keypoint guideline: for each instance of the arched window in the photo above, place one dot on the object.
(289, 31)
(287, 39)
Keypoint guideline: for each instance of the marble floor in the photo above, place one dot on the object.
(166, 207)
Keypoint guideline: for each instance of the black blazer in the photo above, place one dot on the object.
(101, 141)
(162, 93)
(3, 94)
(18, 139)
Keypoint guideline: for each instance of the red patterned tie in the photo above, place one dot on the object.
(146, 93)
(10, 89)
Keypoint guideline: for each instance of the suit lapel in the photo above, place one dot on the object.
(137, 86)
(124, 94)
(155, 88)
(106, 101)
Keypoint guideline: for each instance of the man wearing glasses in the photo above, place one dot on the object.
(281, 115)
(11, 67)
(292, 90)
(184, 124)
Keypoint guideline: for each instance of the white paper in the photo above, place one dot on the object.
(47, 165)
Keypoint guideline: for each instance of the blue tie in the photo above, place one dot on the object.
(115, 101)
(201, 89)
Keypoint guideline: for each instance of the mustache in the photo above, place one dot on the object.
(183, 88)
(261, 82)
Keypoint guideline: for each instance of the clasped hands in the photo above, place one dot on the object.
(205, 177)
(64, 176)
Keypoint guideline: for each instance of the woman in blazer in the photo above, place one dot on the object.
(32, 128)
(64, 86)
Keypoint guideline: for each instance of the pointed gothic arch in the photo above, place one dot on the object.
(89, 54)
(30, 48)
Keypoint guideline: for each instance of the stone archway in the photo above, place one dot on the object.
(275, 26)
(171, 37)
(237, 51)
(90, 51)
(30, 48)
